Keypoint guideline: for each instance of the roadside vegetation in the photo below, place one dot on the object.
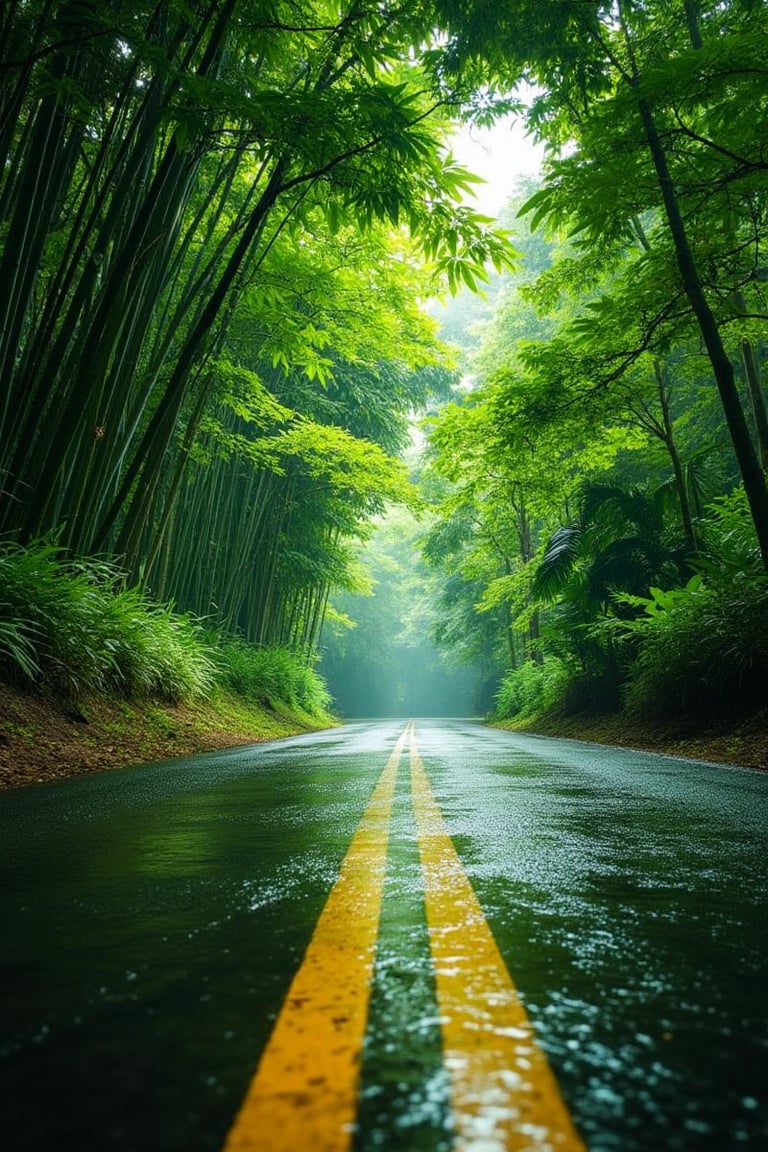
(216, 225)
(94, 674)
(598, 481)
(698, 649)
(71, 629)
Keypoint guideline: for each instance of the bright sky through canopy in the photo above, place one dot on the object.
(499, 155)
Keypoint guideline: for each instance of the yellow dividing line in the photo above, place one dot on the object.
(304, 1093)
(503, 1093)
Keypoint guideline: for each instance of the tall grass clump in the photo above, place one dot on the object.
(271, 676)
(157, 652)
(70, 626)
(73, 628)
(532, 689)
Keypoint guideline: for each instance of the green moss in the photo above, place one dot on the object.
(25, 731)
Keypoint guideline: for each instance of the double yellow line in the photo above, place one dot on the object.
(504, 1097)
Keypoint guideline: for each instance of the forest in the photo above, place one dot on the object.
(274, 390)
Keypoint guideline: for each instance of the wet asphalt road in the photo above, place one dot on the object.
(152, 920)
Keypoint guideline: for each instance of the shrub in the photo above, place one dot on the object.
(17, 644)
(532, 689)
(53, 608)
(272, 676)
(700, 647)
(155, 651)
(704, 646)
(70, 626)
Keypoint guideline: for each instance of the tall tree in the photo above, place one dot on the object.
(656, 103)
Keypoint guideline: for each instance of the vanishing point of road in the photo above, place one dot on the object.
(429, 937)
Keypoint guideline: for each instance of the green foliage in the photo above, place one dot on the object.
(587, 455)
(271, 676)
(703, 647)
(73, 628)
(532, 689)
(235, 198)
(562, 509)
(213, 342)
(17, 648)
(619, 542)
(154, 652)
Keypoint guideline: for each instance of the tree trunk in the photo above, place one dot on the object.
(749, 465)
(148, 458)
(752, 372)
(668, 439)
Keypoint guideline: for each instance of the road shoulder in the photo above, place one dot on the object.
(743, 743)
(42, 739)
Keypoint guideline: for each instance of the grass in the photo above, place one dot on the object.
(72, 629)
(40, 741)
(271, 676)
(740, 740)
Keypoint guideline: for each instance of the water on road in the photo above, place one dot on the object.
(153, 920)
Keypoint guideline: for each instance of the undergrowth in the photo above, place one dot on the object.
(72, 627)
(531, 689)
(700, 650)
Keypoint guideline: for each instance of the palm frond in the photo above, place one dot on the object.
(558, 562)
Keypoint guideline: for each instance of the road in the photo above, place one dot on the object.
(435, 937)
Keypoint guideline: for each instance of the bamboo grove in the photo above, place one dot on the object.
(216, 220)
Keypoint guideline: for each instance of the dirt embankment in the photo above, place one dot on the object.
(42, 739)
(743, 741)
